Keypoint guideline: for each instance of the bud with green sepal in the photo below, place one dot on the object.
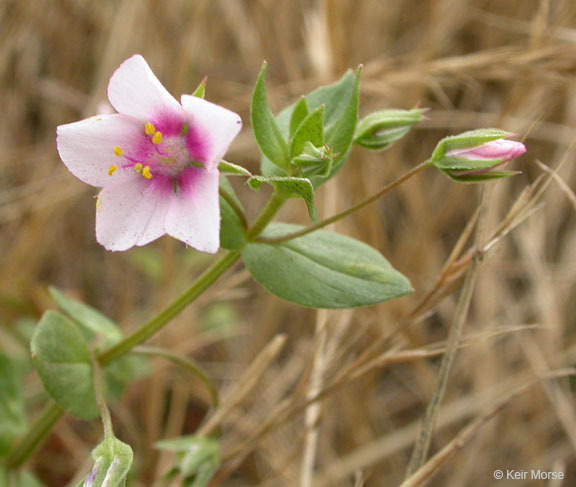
(112, 462)
(379, 130)
(314, 161)
(473, 156)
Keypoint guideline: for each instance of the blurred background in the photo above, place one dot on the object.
(475, 63)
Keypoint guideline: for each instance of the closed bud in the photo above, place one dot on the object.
(380, 130)
(112, 462)
(474, 156)
(314, 161)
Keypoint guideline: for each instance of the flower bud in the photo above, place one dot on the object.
(473, 156)
(314, 161)
(380, 130)
(112, 462)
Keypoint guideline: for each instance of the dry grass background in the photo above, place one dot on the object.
(476, 63)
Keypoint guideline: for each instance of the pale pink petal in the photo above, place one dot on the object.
(212, 129)
(132, 212)
(194, 214)
(134, 90)
(495, 149)
(87, 147)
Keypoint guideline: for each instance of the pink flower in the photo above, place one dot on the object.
(156, 160)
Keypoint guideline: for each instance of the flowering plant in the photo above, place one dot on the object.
(159, 165)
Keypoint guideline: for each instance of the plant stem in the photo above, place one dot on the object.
(358, 206)
(52, 412)
(183, 362)
(422, 445)
(101, 399)
(36, 436)
(153, 326)
(271, 208)
(235, 207)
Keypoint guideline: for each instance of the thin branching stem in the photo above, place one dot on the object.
(358, 206)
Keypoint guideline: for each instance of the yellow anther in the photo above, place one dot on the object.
(112, 169)
(157, 138)
(138, 167)
(118, 151)
(149, 129)
(146, 172)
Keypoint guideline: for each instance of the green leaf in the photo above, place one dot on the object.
(232, 235)
(88, 318)
(335, 98)
(298, 115)
(112, 462)
(199, 457)
(123, 371)
(63, 362)
(310, 130)
(323, 270)
(12, 414)
(291, 188)
(341, 135)
(266, 131)
(226, 167)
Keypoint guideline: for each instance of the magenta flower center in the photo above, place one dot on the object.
(156, 154)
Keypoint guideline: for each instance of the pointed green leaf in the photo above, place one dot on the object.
(12, 414)
(88, 318)
(310, 130)
(63, 362)
(291, 188)
(266, 130)
(323, 270)
(226, 167)
(336, 98)
(341, 135)
(298, 115)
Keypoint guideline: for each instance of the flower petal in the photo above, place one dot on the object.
(132, 211)
(134, 90)
(194, 213)
(212, 129)
(87, 147)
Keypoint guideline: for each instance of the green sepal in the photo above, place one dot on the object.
(470, 139)
(311, 130)
(323, 269)
(314, 161)
(291, 188)
(12, 413)
(63, 362)
(198, 457)
(298, 115)
(200, 92)
(480, 177)
(266, 131)
(232, 169)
